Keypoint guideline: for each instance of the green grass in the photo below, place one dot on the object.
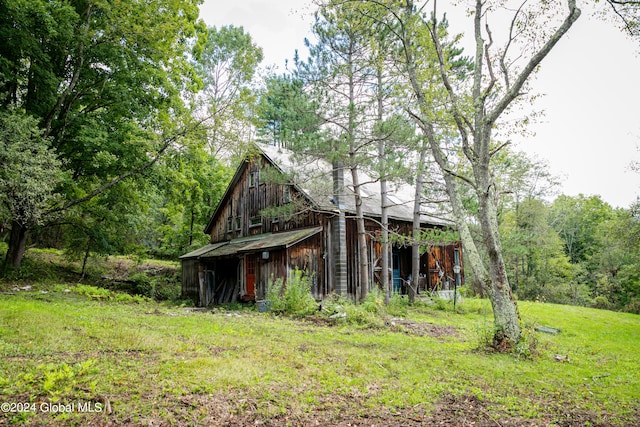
(154, 363)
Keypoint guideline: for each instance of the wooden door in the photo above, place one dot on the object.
(250, 269)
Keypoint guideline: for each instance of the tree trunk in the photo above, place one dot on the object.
(504, 306)
(384, 243)
(339, 233)
(363, 256)
(17, 244)
(385, 283)
(415, 245)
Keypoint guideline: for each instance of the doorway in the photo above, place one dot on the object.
(397, 280)
(250, 269)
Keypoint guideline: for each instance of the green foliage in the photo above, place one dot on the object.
(189, 183)
(342, 310)
(226, 64)
(577, 250)
(30, 170)
(292, 298)
(60, 381)
(286, 115)
(577, 220)
(106, 85)
(102, 294)
(158, 288)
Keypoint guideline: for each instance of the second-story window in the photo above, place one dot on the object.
(253, 179)
(286, 195)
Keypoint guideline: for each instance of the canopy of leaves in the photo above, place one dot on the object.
(30, 169)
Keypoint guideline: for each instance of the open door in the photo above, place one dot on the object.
(250, 269)
(397, 281)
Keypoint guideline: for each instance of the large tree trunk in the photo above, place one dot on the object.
(415, 245)
(385, 283)
(339, 233)
(504, 306)
(475, 134)
(363, 256)
(17, 244)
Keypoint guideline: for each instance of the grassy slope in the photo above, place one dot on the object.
(157, 364)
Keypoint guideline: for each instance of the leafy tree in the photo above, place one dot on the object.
(339, 75)
(188, 185)
(104, 82)
(534, 255)
(287, 116)
(475, 106)
(227, 63)
(626, 13)
(577, 220)
(30, 171)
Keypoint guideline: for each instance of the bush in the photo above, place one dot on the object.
(158, 288)
(601, 302)
(369, 314)
(103, 294)
(294, 298)
(633, 307)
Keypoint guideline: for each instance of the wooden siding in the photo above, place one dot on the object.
(252, 192)
(224, 279)
(190, 279)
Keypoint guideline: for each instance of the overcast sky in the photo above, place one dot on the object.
(591, 84)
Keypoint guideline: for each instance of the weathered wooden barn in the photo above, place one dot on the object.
(277, 215)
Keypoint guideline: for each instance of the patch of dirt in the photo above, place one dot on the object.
(242, 409)
(399, 325)
(421, 328)
(237, 409)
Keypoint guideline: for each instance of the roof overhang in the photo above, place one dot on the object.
(252, 244)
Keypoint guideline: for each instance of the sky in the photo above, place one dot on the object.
(590, 82)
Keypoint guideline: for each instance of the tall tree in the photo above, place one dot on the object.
(104, 81)
(227, 64)
(499, 78)
(340, 73)
(30, 171)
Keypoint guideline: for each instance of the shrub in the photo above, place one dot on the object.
(102, 294)
(294, 298)
(369, 314)
(158, 288)
(633, 306)
(601, 302)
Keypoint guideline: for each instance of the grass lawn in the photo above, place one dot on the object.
(131, 361)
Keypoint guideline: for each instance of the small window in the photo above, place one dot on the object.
(229, 224)
(238, 223)
(253, 179)
(286, 196)
(255, 221)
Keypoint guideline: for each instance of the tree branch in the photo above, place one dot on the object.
(514, 91)
(167, 142)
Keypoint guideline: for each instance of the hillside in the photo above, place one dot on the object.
(132, 361)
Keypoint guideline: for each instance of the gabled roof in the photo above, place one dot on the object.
(313, 177)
